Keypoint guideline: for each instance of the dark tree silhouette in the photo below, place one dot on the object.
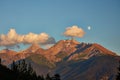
(22, 71)
(42, 77)
(48, 77)
(118, 76)
(0, 60)
(56, 77)
(6, 73)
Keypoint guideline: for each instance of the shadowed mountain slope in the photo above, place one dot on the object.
(95, 68)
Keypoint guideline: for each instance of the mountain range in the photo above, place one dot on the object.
(71, 59)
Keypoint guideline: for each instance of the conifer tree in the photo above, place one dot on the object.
(118, 75)
(56, 77)
(0, 60)
(48, 77)
(23, 71)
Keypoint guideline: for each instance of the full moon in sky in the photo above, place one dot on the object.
(89, 27)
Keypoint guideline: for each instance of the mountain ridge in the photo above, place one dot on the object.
(71, 59)
(62, 50)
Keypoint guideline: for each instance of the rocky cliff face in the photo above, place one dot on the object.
(85, 51)
(7, 56)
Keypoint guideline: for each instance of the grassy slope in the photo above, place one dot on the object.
(41, 60)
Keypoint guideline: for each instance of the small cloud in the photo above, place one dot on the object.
(74, 31)
(12, 38)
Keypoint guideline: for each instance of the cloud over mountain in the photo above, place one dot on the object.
(12, 38)
(74, 31)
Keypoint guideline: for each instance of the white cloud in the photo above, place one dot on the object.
(12, 38)
(74, 31)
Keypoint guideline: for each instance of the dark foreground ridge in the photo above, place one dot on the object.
(22, 71)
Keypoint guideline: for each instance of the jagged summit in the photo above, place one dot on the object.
(8, 51)
(69, 41)
(7, 56)
(62, 45)
(63, 50)
(35, 45)
(33, 48)
(86, 50)
(103, 49)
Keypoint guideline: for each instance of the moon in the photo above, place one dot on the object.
(89, 27)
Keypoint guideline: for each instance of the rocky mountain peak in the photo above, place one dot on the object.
(9, 52)
(33, 48)
(63, 49)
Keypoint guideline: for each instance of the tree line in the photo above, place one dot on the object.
(118, 74)
(23, 71)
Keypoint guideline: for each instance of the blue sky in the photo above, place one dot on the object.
(54, 16)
